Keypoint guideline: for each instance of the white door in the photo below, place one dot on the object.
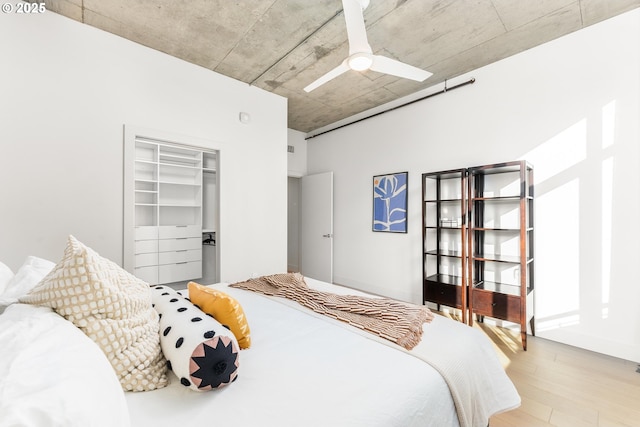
(316, 226)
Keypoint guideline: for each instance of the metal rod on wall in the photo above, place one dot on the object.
(446, 89)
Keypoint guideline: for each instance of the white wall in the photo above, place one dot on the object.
(66, 89)
(297, 161)
(571, 107)
(297, 167)
(293, 224)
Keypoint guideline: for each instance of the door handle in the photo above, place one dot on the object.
(328, 235)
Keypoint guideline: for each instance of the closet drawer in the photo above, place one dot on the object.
(172, 231)
(145, 233)
(171, 245)
(144, 260)
(180, 256)
(145, 246)
(148, 274)
(180, 271)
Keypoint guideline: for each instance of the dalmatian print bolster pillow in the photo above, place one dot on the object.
(201, 352)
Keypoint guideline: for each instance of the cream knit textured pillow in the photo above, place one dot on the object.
(112, 307)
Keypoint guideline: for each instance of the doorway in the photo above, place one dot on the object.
(310, 226)
(293, 224)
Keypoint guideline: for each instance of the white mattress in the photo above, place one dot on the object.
(307, 370)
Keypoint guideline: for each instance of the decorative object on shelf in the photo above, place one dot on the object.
(451, 222)
(390, 202)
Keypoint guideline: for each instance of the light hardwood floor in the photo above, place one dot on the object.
(564, 386)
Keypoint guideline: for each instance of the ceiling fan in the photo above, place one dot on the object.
(361, 56)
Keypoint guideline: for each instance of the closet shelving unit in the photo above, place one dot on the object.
(168, 212)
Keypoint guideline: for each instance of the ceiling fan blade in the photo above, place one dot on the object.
(356, 30)
(329, 76)
(382, 64)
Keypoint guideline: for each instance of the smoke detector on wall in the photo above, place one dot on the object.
(244, 117)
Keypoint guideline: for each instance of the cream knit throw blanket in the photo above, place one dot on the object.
(396, 321)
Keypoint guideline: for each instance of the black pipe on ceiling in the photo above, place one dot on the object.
(446, 89)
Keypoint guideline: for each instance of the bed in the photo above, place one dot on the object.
(302, 369)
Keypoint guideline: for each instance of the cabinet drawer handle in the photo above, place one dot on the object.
(182, 250)
(493, 304)
(181, 238)
(181, 262)
(181, 226)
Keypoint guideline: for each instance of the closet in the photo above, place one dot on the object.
(171, 204)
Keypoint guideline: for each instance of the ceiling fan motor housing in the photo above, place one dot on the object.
(360, 61)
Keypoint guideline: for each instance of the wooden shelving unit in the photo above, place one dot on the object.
(478, 242)
(444, 237)
(501, 255)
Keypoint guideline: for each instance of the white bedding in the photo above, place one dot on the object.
(308, 370)
(53, 375)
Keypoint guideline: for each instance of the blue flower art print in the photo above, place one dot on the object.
(390, 202)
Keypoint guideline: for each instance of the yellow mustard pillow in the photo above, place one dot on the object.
(224, 308)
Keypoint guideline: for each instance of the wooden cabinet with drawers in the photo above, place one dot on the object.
(478, 248)
(444, 235)
(501, 251)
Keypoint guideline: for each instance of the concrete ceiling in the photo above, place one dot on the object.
(283, 45)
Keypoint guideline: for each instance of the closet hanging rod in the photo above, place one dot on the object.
(446, 89)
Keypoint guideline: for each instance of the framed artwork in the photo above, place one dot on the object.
(390, 202)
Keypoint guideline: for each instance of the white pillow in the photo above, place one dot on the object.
(28, 276)
(53, 374)
(5, 276)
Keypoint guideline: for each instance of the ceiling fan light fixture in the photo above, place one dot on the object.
(361, 55)
(360, 61)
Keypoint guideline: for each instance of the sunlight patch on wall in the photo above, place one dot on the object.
(563, 320)
(558, 237)
(558, 226)
(606, 226)
(608, 124)
(564, 150)
(608, 139)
